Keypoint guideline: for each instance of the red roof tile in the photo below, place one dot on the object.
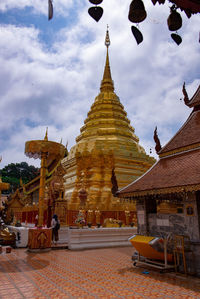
(173, 171)
(188, 134)
(195, 100)
(193, 6)
(179, 165)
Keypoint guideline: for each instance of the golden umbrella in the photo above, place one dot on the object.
(47, 151)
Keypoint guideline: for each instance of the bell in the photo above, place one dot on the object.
(177, 38)
(96, 2)
(137, 11)
(50, 10)
(137, 34)
(174, 20)
(96, 12)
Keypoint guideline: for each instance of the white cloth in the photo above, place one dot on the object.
(53, 222)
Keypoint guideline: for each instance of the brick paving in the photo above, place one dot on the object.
(100, 273)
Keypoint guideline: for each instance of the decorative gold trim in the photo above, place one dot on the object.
(177, 189)
(181, 149)
(38, 186)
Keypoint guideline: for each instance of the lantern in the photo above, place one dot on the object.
(174, 20)
(137, 11)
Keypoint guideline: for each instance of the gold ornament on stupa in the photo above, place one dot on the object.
(107, 141)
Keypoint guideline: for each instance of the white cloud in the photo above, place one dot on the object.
(61, 7)
(55, 86)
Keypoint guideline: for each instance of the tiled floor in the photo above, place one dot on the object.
(100, 273)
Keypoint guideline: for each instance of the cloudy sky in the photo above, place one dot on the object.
(51, 70)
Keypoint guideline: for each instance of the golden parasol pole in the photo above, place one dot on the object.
(42, 188)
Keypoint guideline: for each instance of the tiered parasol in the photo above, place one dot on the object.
(47, 151)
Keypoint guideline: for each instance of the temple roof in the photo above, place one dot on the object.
(188, 135)
(195, 100)
(178, 167)
(188, 6)
(168, 175)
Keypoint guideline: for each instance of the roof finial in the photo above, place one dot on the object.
(46, 135)
(107, 39)
(157, 141)
(186, 99)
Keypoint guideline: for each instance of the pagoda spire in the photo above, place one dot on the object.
(107, 82)
(46, 135)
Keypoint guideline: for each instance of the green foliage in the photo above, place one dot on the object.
(13, 172)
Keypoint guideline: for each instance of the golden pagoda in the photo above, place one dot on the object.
(107, 142)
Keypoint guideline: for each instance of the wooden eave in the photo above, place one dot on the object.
(170, 190)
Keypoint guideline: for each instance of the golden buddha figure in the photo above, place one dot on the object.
(127, 216)
(90, 215)
(98, 217)
(134, 220)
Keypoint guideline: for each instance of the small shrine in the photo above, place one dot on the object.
(168, 195)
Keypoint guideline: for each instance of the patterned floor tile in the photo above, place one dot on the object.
(102, 273)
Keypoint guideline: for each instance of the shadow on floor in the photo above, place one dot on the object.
(187, 282)
(21, 265)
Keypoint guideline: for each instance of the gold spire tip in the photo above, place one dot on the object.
(107, 39)
(46, 135)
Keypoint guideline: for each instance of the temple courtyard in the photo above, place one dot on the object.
(95, 273)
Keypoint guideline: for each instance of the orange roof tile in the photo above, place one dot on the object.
(173, 171)
(187, 135)
(189, 6)
(189, 132)
(195, 100)
(179, 162)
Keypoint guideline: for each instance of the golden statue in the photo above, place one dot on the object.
(127, 216)
(98, 217)
(90, 215)
(134, 220)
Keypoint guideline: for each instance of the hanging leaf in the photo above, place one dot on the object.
(96, 12)
(176, 38)
(96, 2)
(137, 34)
(50, 6)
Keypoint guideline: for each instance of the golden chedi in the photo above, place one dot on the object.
(107, 141)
